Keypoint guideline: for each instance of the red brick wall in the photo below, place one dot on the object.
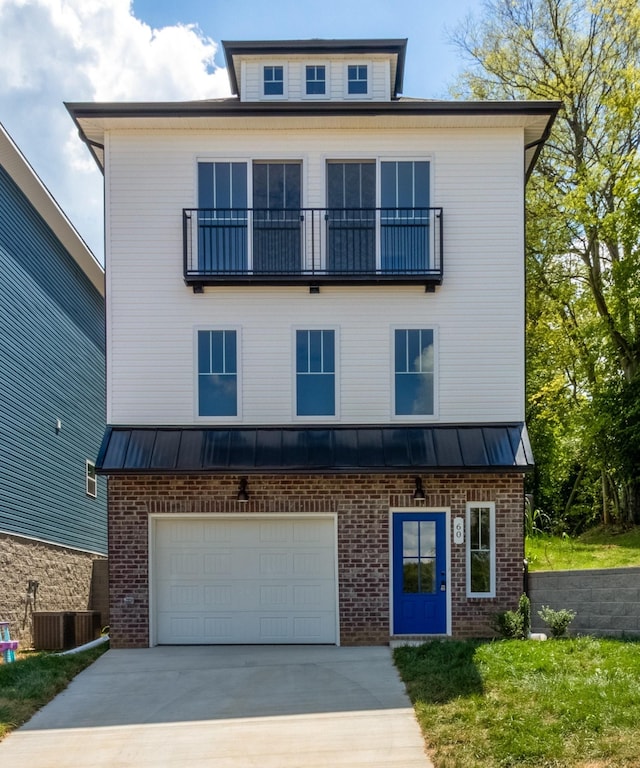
(362, 504)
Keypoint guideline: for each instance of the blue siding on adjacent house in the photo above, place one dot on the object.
(52, 366)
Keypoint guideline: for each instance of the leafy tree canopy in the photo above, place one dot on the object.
(583, 236)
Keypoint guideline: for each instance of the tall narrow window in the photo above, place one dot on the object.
(404, 218)
(273, 81)
(217, 373)
(277, 228)
(357, 79)
(414, 372)
(316, 79)
(315, 373)
(481, 549)
(91, 478)
(351, 223)
(222, 219)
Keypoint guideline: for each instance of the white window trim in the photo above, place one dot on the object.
(491, 506)
(294, 389)
(327, 81)
(217, 419)
(353, 96)
(91, 481)
(285, 81)
(436, 368)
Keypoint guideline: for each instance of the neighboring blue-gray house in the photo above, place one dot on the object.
(53, 521)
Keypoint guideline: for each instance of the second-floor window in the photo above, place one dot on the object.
(274, 81)
(315, 373)
(316, 80)
(414, 376)
(217, 373)
(357, 79)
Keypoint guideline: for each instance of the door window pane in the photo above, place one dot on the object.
(414, 372)
(419, 556)
(217, 373)
(315, 373)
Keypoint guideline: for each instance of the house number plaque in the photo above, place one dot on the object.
(458, 530)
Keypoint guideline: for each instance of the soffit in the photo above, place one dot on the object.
(535, 118)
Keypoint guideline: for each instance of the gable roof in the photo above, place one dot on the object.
(18, 168)
(395, 47)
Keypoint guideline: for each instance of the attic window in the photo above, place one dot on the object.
(273, 81)
(316, 80)
(357, 79)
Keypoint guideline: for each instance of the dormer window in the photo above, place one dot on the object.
(274, 81)
(316, 79)
(357, 79)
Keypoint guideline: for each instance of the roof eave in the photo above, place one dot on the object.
(232, 108)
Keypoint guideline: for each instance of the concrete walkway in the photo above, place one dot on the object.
(227, 707)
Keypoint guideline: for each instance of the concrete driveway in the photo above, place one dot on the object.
(227, 707)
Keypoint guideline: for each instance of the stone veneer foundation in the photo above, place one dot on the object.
(361, 503)
(63, 576)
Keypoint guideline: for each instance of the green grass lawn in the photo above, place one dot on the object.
(562, 703)
(598, 548)
(29, 683)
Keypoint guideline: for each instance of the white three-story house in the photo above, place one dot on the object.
(315, 353)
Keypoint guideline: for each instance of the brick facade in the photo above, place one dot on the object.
(361, 503)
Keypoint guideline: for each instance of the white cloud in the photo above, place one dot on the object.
(89, 50)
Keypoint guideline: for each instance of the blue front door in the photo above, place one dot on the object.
(419, 573)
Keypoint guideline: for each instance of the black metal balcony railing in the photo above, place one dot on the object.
(312, 245)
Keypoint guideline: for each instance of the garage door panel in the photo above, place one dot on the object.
(245, 596)
(196, 629)
(244, 581)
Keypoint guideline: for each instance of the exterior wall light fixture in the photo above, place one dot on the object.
(243, 493)
(419, 494)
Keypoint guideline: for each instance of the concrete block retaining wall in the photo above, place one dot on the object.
(606, 602)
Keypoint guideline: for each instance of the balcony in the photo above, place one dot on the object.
(312, 246)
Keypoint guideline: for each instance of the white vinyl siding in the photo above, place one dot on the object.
(379, 86)
(477, 177)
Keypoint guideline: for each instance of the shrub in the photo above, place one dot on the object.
(508, 624)
(557, 621)
(514, 625)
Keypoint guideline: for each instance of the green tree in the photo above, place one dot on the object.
(583, 249)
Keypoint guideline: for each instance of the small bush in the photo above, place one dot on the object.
(557, 621)
(524, 609)
(508, 624)
(514, 625)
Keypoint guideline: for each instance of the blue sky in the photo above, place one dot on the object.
(164, 50)
(431, 60)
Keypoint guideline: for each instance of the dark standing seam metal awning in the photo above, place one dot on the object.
(306, 449)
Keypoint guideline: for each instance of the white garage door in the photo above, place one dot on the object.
(244, 580)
